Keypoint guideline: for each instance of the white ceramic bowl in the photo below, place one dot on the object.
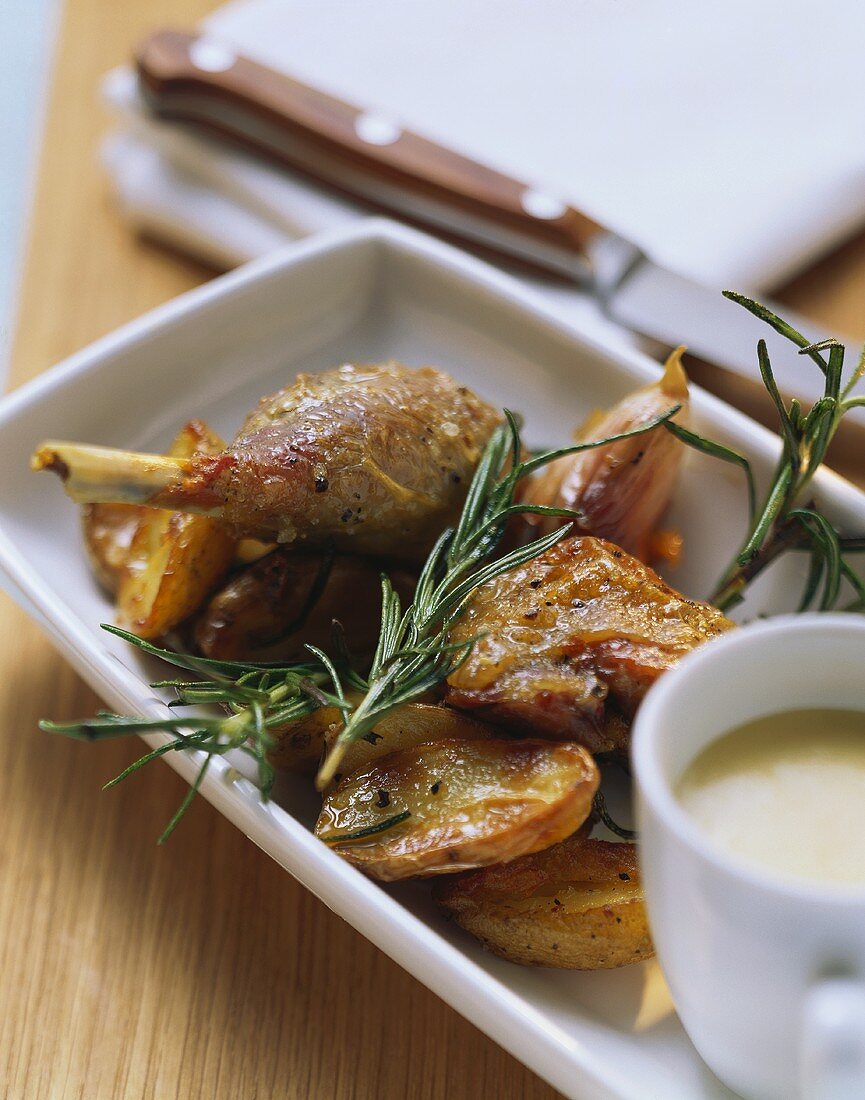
(768, 973)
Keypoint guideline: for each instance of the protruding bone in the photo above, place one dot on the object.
(103, 475)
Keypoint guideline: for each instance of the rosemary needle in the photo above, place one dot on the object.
(367, 831)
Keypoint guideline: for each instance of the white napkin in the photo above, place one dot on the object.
(728, 140)
(218, 202)
(224, 206)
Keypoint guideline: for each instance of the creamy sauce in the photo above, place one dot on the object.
(786, 792)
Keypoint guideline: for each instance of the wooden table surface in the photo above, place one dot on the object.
(200, 968)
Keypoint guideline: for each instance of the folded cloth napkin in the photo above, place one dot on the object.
(721, 138)
(224, 206)
(221, 204)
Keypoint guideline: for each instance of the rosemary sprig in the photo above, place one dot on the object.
(413, 652)
(785, 519)
(259, 698)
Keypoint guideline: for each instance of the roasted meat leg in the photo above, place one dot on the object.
(569, 643)
(374, 459)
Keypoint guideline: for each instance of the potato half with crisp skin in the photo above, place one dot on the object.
(405, 728)
(568, 643)
(175, 559)
(455, 805)
(108, 531)
(299, 747)
(578, 906)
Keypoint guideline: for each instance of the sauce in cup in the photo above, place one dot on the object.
(751, 852)
(786, 792)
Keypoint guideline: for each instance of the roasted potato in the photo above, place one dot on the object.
(175, 559)
(465, 804)
(408, 726)
(568, 643)
(290, 598)
(108, 531)
(299, 747)
(577, 905)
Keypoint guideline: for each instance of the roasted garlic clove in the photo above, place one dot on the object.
(619, 491)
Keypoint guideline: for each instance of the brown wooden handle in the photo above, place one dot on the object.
(195, 78)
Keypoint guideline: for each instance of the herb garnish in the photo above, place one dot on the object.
(259, 697)
(368, 830)
(413, 652)
(786, 519)
(599, 808)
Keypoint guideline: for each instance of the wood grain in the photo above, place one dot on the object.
(198, 969)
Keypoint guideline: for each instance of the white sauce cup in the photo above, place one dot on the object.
(768, 975)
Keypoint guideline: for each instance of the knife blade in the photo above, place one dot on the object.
(370, 156)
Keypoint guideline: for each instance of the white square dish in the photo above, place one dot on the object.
(375, 292)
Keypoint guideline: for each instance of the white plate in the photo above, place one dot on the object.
(375, 292)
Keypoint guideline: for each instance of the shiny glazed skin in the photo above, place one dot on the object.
(372, 459)
(108, 531)
(471, 804)
(290, 598)
(570, 642)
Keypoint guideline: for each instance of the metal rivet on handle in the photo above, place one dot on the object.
(541, 205)
(210, 56)
(376, 129)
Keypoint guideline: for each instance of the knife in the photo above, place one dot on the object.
(367, 154)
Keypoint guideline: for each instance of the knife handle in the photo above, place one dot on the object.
(197, 79)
